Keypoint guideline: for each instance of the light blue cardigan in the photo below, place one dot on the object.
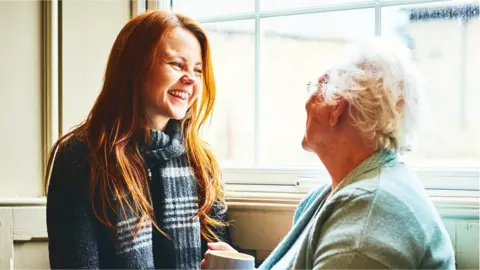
(379, 217)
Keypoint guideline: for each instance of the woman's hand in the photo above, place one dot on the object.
(216, 246)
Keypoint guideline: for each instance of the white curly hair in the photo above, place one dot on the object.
(381, 83)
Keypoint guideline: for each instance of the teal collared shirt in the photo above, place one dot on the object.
(378, 217)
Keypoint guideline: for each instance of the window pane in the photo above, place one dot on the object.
(294, 50)
(208, 8)
(445, 40)
(231, 131)
(472, 95)
(285, 4)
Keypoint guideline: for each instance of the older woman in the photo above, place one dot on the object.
(375, 214)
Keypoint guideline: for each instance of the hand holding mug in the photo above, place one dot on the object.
(221, 255)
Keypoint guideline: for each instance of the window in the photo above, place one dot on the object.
(234, 67)
(265, 51)
(445, 41)
(294, 49)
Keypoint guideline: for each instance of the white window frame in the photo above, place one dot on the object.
(439, 181)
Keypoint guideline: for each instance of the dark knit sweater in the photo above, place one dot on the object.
(78, 240)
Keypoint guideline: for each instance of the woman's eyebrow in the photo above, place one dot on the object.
(171, 55)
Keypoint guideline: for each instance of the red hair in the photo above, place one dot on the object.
(112, 128)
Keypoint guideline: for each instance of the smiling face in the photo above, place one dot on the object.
(175, 80)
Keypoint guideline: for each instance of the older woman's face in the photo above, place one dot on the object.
(318, 112)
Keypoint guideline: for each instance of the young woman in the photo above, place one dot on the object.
(134, 186)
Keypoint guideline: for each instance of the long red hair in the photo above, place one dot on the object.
(111, 130)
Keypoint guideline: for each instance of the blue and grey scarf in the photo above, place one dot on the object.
(175, 200)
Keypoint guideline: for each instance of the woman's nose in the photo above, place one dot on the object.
(189, 79)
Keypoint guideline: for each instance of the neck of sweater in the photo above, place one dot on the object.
(164, 145)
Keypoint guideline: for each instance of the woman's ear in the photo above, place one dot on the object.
(338, 110)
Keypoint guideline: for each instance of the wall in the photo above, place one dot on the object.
(20, 98)
(88, 30)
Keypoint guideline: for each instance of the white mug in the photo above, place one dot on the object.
(219, 259)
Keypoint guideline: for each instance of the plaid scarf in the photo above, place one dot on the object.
(174, 196)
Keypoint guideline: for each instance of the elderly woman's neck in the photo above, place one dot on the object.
(344, 158)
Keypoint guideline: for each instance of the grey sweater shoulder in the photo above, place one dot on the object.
(380, 216)
(384, 220)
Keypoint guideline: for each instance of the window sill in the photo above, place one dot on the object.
(23, 201)
(449, 203)
(306, 179)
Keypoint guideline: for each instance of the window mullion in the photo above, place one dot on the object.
(378, 19)
(165, 4)
(257, 84)
(137, 7)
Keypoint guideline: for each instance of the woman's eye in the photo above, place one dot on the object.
(198, 72)
(176, 64)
